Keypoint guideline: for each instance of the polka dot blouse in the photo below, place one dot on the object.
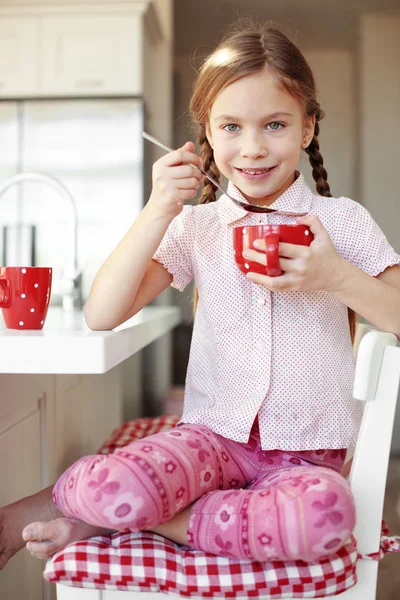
(284, 355)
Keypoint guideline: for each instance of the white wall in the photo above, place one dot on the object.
(380, 121)
(335, 79)
(380, 131)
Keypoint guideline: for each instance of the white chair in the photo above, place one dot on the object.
(377, 383)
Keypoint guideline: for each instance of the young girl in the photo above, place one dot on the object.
(253, 469)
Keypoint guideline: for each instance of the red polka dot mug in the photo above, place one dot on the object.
(25, 296)
(244, 238)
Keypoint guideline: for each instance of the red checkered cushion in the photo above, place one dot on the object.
(149, 562)
(135, 430)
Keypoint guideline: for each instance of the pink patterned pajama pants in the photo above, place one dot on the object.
(248, 503)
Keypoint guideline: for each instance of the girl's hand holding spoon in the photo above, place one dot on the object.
(175, 180)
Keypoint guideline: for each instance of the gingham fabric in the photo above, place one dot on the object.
(389, 543)
(135, 430)
(148, 562)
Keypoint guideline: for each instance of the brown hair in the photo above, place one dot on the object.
(248, 47)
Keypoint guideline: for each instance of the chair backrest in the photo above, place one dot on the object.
(376, 382)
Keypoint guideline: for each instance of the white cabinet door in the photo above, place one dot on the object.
(20, 456)
(18, 57)
(86, 410)
(86, 56)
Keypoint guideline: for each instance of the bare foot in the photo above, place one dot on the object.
(14, 517)
(38, 510)
(47, 538)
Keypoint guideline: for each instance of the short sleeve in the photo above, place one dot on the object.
(176, 249)
(360, 241)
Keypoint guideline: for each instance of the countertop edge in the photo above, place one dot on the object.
(86, 352)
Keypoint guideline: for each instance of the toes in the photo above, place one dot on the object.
(42, 550)
(45, 538)
(40, 531)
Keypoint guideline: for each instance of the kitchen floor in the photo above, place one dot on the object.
(389, 568)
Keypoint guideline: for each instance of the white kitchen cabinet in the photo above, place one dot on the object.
(21, 396)
(80, 49)
(86, 56)
(18, 57)
(20, 456)
(46, 423)
(86, 409)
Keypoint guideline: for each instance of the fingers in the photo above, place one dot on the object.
(181, 171)
(186, 172)
(313, 222)
(182, 156)
(190, 183)
(189, 147)
(275, 284)
(175, 180)
(293, 270)
(288, 265)
(185, 194)
(261, 259)
(253, 255)
(285, 257)
(285, 249)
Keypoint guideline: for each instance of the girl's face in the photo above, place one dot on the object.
(257, 130)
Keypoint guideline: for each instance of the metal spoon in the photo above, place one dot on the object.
(249, 207)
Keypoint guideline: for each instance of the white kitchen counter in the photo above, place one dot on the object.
(67, 345)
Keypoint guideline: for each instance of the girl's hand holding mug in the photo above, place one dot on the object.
(175, 181)
(314, 267)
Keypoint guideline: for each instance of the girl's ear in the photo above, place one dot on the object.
(308, 132)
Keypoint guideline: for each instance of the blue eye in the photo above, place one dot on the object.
(275, 125)
(231, 127)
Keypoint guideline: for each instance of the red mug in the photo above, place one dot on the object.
(244, 237)
(25, 296)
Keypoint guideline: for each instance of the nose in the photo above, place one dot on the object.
(254, 145)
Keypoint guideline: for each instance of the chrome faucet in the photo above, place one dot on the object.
(70, 285)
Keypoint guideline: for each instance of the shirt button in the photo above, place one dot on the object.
(261, 345)
(261, 301)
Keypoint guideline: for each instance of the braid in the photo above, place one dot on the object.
(318, 170)
(209, 190)
(320, 177)
(207, 155)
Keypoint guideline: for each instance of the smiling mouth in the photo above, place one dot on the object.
(255, 171)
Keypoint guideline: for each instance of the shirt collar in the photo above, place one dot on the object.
(296, 200)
